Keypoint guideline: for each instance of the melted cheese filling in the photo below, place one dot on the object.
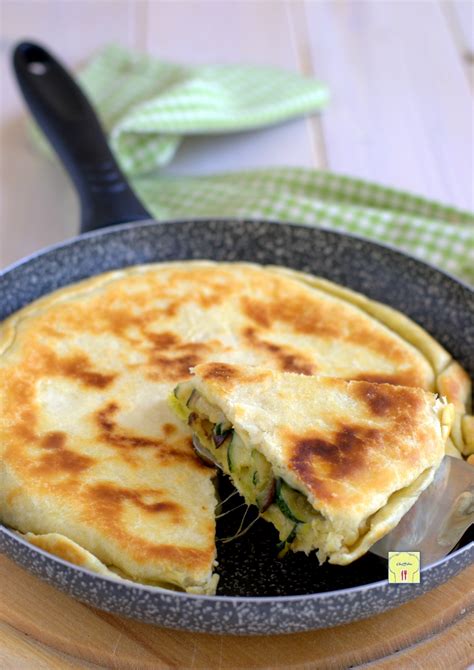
(299, 525)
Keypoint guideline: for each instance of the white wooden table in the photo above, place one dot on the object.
(400, 73)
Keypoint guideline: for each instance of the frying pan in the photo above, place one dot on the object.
(258, 594)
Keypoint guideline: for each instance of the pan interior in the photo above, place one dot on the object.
(249, 566)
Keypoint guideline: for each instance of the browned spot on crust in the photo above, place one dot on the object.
(170, 358)
(309, 315)
(379, 401)
(24, 428)
(163, 340)
(108, 499)
(48, 330)
(299, 312)
(105, 507)
(54, 440)
(207, 292)
(316, 459)
(178, 555)
(117, 436)
(227, 375)
(56, 458)
(76, 367)
(108, 492)
(257, 311)
(112, 434)
(21, 404)
(174, 368)
(118, 321)
(387, 400)
(169, 429)
(20, 407)
(219, 371)
(209, 289)
(129, 323)
(286, 357)
(59, 460)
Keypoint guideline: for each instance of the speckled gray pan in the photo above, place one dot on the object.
(258, 594)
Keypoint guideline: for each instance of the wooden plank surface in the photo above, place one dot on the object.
(258, 33)
(38, 206)
(464, 12)
(19, 651)
(460, 17)
(401, 109)
(62, 626)
(453, 648)
(450, 649)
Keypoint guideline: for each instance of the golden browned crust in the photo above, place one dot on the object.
(450, 380)
(389, 430)
(89, 448)
(318, 319)
(342, 440)
(351, 447)
(84, 377)
(278, 319)
(227, 376)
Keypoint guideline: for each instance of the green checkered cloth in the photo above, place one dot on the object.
(149, 106)
(440, 235)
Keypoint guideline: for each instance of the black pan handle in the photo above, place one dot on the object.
(67, 118)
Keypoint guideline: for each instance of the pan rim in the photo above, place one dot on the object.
(148, 223)
(158, 590)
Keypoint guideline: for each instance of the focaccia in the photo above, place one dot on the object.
(93, 461)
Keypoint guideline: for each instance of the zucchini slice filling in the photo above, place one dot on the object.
(216, 441)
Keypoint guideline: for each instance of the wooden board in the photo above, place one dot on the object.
(43, 628)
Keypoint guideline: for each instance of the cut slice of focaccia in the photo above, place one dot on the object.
(333, 464)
